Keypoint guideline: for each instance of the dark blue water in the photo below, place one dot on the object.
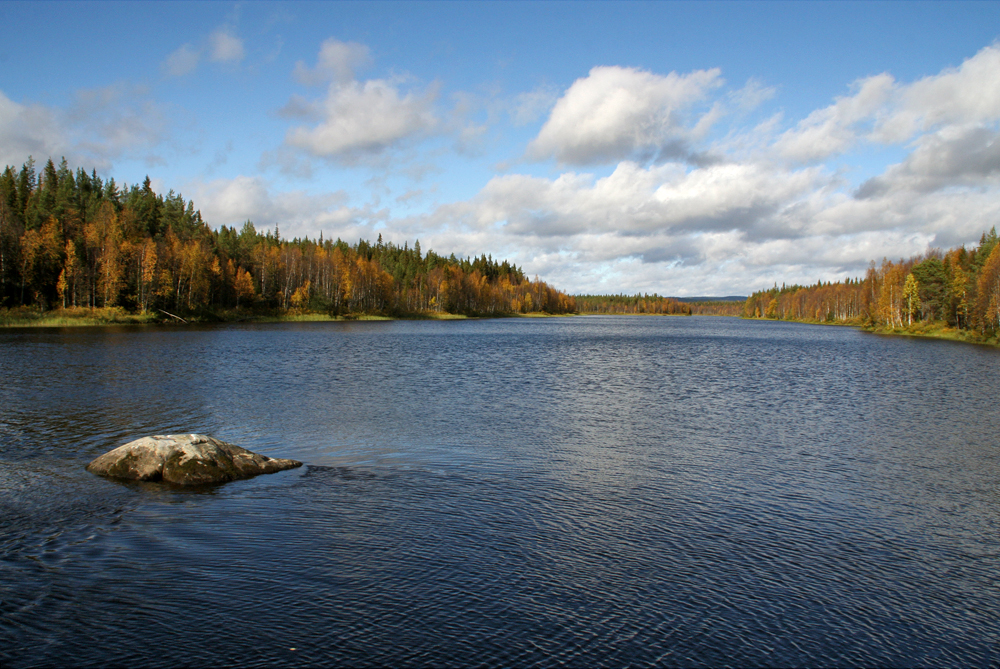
(574, 491)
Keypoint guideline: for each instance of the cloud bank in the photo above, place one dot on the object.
(663, 220)
(626, 179)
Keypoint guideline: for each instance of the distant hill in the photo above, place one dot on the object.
(727, 298)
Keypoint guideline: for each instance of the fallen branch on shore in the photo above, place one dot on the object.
(172, 316)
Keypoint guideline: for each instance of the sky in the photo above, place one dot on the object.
(681, 148)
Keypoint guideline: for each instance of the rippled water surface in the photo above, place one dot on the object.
(579, 491)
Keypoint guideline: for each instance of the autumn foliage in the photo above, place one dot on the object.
(73, 240)
(960, 288)
(631, 304)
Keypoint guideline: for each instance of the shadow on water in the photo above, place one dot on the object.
(334, 474)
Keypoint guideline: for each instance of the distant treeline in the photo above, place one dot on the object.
(960, 288)
(717, 307)
(73, 240)
(630, 304)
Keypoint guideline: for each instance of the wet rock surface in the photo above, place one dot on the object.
(185, 459)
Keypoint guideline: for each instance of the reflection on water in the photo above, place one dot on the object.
(669, 491)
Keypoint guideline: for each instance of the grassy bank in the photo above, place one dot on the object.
(928, 329)
(27, 317)
(79, 316)
(939, 330)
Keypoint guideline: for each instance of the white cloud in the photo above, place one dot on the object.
(364, 119)
(967, 94)
(357, 121)
(883, 111)
(337, 61)
(99, 126)
(752, 95)
(182, 61)
(616, 112)
(29, 130)
(225, 47)
(297, 213)
(533, 105)
(834, 129)
(953, 156)
(716, 212)
(636, 201)
(726, 228)
(222, 46)
(738, 213)
(117, 120)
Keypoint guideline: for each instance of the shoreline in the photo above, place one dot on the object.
(11, 319)
(935, 330)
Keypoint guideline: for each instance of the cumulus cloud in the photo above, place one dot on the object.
(615, 112)
(967, 94)
(29, 130)
(356, 120)
(297, 213)
(337, 61)
(881, 110)
(834, 129)
(97, 127)
(684, 209)
(225, 47)
(636, 201)
(726, 228)
(364, 119)
(182, 61)
(956, 155)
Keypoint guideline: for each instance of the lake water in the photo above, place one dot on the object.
(522, 492)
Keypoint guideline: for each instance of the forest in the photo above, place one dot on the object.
(959, 289)
(70, 239)
(631, 304)
(716, 307)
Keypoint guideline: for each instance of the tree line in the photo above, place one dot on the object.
(959, 287)
(717, 307)
(71, 239)
(631, 304)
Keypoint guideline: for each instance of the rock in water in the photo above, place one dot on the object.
(185, 459)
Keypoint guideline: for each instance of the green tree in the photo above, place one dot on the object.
(933, 280)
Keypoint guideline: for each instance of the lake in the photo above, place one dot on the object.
(521, 492)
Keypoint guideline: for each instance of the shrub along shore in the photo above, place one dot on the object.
(85, 316)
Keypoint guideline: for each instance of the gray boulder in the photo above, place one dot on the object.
(185, 459)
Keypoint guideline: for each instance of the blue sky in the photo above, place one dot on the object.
(672, 147)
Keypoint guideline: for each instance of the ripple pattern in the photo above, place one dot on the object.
(563, 492)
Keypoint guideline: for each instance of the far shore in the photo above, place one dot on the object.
(85, 317)
(923, 329)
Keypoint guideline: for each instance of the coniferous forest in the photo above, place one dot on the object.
(631, 304)
(70, 239)
(958, 289)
